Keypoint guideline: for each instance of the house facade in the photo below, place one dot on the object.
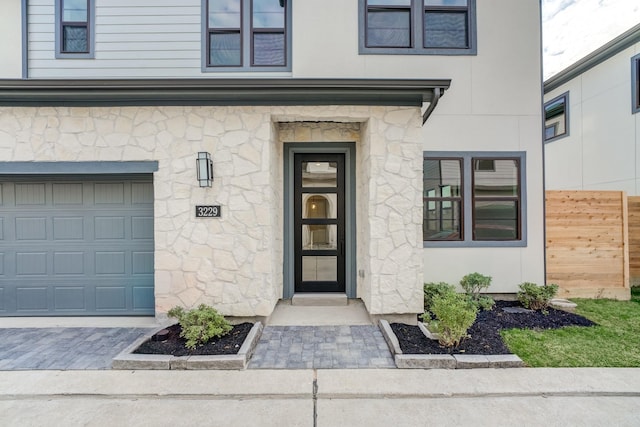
(592, 121)
(240, 152)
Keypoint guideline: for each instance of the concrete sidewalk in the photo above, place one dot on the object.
(481, 397)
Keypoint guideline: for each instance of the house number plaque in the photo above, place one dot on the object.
(208, 211)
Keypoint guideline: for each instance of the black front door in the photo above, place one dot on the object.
(319, 227)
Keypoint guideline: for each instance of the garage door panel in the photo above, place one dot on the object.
(143, 298)
(68, 228)
(109, 193)
(76, 246)
(68, 263)
(141, 228)
(31, 263)
(142, 262)
(31, 228)
(110, 263)
(110, 298)
(32, 299)
(68, 194)
(107, 227)
(30, 194)
(71, 298)
(141, 193)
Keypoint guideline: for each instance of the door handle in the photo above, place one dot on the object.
(341, 248)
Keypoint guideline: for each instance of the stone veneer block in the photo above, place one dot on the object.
(390, 337)
(425, 361)
(504, 361)
(128, 360)
(470, 361)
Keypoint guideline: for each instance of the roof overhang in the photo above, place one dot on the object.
(217, 92)
(598, 56)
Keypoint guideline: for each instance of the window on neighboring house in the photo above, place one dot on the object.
(474, 199)
(74, 29)
(418, 27)
(245, 35)
(635, 84)
(556, 123)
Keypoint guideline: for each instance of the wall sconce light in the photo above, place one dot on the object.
(204, 165)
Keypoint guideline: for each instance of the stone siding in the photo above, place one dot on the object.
(235, 262)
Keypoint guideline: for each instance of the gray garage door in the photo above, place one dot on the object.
(76, 246)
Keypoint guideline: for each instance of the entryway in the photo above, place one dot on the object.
(319, 220)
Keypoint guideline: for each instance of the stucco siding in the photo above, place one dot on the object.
(11, 52)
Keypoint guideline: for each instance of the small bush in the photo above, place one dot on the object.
(433, 290)
(474, 283)
(484, 303)
(536, 297)
(200, 324)
(455, 317)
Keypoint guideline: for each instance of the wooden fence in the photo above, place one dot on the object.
(588, 243)
(634, 240)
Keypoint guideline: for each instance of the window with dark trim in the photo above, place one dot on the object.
(474, 199)
(74, 32)
(556, 122)
(635, 84)
(246, 35)
(418, 27)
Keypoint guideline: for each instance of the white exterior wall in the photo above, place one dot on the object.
(602, 151)
(11, 45)
(492, 107)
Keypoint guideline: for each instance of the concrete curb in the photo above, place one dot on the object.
(127, 360)
(444, 361)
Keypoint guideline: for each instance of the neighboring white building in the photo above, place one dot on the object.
(592, 120)
(359, 147)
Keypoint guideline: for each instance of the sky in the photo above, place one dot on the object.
(571, 29)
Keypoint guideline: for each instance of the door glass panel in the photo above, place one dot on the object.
(319, 174)
(320, 206)
(319, 268)
(319, 237)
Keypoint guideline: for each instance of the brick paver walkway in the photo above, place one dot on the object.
(306, 347)
(63, 348)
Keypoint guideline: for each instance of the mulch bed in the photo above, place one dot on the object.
(175, 345)
(484, 335)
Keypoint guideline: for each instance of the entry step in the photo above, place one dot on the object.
(320, 299)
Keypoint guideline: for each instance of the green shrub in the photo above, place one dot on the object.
(536, 297)
(455, 316)
(432, 290)
(199, 325)
(474, 283)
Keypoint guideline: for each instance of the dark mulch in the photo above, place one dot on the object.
(484, 335)
(175, 345)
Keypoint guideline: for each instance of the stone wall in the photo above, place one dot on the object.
(235, 262)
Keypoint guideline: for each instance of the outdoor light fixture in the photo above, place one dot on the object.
(204, 166)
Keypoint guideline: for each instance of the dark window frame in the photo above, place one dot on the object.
(60, 24)
(247, 31)
(451, 10)
(635, 84)
(565, 112)
(230, 30)
(426, 199)
(417, 31)
(474, 197)
(389, 8)
(468, 203)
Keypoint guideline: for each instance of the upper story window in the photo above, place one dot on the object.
(242, 35)
(74, 28)
(421, 27)
(474, 199)
(635, 84)
(556, 118)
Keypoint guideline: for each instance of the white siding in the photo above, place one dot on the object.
(602, 151)
(11, 53)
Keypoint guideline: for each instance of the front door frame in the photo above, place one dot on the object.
(348, 149)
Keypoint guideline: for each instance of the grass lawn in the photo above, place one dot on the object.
(615, 342)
